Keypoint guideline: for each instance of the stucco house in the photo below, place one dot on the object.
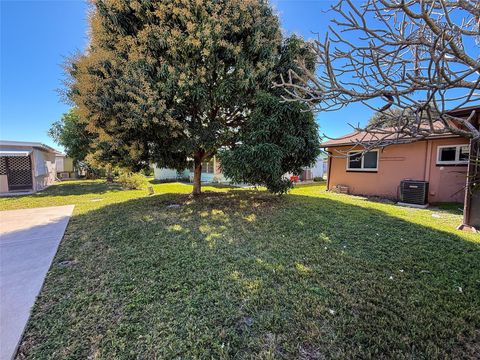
(439, 160)
(26, 166)
(212, 172)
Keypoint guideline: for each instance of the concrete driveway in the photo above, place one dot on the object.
(29, 239)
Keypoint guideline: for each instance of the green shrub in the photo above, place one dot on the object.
(147, 172)
(132, 181)
(318, 179)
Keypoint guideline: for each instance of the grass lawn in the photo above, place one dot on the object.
(243, 274)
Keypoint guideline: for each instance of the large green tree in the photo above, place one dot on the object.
(173, 81)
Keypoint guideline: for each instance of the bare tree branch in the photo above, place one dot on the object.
(420, 58)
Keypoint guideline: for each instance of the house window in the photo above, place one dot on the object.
(362, 161)
(207, 167)
(452, 154)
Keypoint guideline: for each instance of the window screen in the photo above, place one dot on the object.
(448, 153)
(370, 160)
(455, 154)
(207, 167)
(363, 161)
(464, 153)
(355, 161)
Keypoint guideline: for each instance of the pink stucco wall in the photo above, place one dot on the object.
(416, 161)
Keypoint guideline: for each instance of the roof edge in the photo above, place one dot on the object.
(28, 144)
(405, 141)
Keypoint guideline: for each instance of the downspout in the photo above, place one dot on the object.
(328, 169)
(428, 160)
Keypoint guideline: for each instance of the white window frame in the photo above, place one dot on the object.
(208, 167)
(362, 169)
(457, 160)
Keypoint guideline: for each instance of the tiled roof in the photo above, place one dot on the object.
(369, 137)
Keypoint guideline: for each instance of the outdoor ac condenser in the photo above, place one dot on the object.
(414, 192)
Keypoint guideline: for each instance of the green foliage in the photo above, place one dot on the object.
(280, 138)
(71, 133)
(293, 50)
(395, 117)
(384, 119)
(132, 181)
(318, 179)
(170, 81)
(147, 171)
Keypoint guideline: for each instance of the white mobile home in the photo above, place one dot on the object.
(212, 172)
(26, 166)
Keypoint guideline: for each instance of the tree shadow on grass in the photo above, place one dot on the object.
(450, 208)
(80, 188)
(244, 274)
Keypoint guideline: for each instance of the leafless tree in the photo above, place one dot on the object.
(412, 60)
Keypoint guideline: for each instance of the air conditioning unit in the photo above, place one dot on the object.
(414, 192)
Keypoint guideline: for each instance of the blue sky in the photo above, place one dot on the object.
(36, 36)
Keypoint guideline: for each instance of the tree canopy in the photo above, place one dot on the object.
(280, 137)
(71, 133)
(171, 82)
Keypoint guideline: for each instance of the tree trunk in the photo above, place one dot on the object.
(197, 176)
(109, 174)
(471, 211)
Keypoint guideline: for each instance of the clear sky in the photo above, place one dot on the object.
(36, 36)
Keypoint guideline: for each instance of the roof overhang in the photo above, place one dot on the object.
(14, 153)
(36, 145)
(393, 142)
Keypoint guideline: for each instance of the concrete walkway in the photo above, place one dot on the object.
(29, 239)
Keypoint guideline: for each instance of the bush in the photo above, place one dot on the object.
(147, 172)
(132, 181)
(318, 179)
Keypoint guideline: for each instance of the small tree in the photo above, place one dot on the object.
(71, 133)
(172, 81)
(280, 138)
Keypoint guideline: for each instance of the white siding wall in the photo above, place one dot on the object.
(318, 170)
(164, 173)
(172, 174)
(59, 163)
(168, 174)
(43, 169)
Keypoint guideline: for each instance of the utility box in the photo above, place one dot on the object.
(414, 192)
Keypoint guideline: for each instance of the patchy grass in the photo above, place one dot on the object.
(244, 274)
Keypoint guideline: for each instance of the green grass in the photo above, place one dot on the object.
(243, 274)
